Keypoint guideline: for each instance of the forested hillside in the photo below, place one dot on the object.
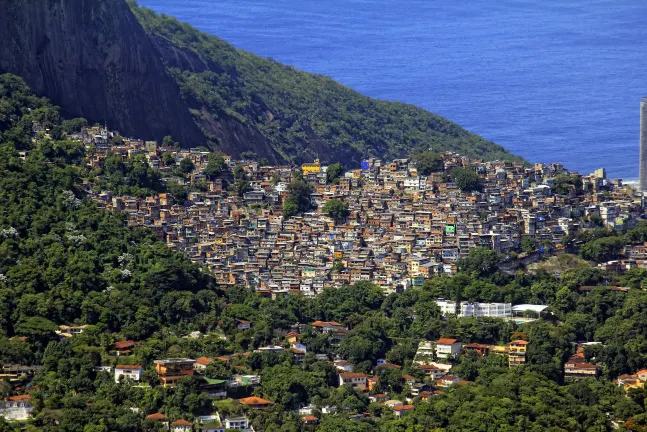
(63, 261)
(294, 115)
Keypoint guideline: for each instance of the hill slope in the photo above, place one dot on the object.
(64, 260)
(298, 115)
(149, 75)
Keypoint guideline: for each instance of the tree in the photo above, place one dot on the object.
(482, 261)
(218, 370)
(603, 249)
(290, 209)
(563, 182)
(168, 159)
(466, 179)
(241, 187)
(299, 192)
(116, 140)
(528, 244)
(334, 171)
(168, 141)
(215, 166)
(428, 162)
(179, 192)
(335, 208)
(186, 165)
(240, 173)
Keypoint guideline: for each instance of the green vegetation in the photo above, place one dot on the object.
(334, 172)
(428, 162)
(466, 179)
(336, 209)
(299, 199)
(289, 107)
(132, 177)
(215, 165)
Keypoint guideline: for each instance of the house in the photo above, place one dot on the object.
(201, 363)
(181, 426)
(343, 365)
(448, 380)
(402, 410)
(158, 418)
(630, 381)
(581, 370)
(170, 371)
(408, 379)
(480, 349)
(434, 371)
(309, 420)
(215, 388)
(419, 388)
(242, 324)
(238, 423)
(214, 423)
(328, 326)
(380, 397)
(447, 348)
(255, 402)
(17, 408)
(293, 337)
(132, 372)
(122, 348)
(517, 353)
(354, 379)
(299, 355)
(576, 367)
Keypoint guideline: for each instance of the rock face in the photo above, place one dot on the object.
(94, 60)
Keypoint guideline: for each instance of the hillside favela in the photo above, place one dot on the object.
(213, 241)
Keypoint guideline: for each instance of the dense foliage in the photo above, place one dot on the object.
(292, 108)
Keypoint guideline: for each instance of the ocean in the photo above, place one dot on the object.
(552, 81)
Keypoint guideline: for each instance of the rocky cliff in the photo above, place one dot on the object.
(94, 60)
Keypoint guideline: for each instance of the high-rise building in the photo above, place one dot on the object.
(643, 144)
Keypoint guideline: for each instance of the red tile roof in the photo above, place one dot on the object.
(19, 398)
(403, 407)
(446, 341)
(253, 400)
(181, 423)
(351, 375)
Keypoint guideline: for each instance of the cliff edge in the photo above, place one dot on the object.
(94, 60)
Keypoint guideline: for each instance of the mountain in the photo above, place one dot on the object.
(93, 59)
(149, 75)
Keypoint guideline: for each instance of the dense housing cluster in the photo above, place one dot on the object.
(399, 227)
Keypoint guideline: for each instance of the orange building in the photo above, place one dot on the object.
(170, 371)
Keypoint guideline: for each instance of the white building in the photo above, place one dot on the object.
(133, 372)
(492, 310)
(425, 353)
(16, 408)
(354, 379)
(448, 348)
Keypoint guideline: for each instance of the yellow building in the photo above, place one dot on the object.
(517, 353)
(311, 168)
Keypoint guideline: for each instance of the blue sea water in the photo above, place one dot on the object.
(550, 80)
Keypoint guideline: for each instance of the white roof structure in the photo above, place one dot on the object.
(529, 307)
